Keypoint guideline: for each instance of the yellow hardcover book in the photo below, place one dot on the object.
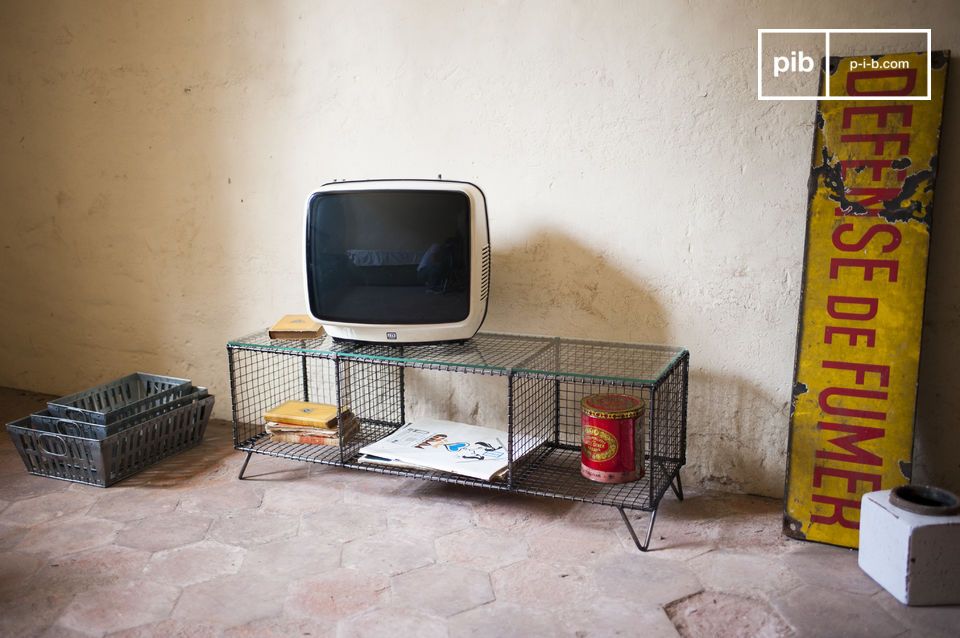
(296, 327)
(316, 415)
(350, 424)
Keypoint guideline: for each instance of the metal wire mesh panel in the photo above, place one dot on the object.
(462, 398)
(547, 432)
(569, 431)
(603, 361)
(321, 381)
(556, 473)
(547, 435)
(374, 393)
(428, 475)
(323, 346)
(546, 378)
(533, 420)
(486, 353)
(667, 437)
(261, 380)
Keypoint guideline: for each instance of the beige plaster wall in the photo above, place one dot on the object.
(155, 157)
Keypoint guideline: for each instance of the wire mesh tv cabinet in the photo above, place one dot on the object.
(545, 379)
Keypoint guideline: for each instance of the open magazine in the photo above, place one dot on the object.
(447, 446)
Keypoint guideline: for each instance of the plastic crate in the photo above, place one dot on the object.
(119, 399)
(106, 461)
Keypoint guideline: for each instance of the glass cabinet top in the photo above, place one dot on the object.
(494, 353)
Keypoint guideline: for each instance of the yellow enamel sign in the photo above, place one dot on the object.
(865, 268)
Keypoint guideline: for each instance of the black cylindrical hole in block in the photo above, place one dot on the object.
(925, 499)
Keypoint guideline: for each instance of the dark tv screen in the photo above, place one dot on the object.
(389, 257)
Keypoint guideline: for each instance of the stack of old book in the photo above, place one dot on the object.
(310, 423)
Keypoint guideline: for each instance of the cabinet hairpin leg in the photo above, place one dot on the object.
(646, 544)
(677, 487)
(243, 468)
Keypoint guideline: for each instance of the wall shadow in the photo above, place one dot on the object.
(937, 433)
(550, 285)
(732, 444)
(554, 284)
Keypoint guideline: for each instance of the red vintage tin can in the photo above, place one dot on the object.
(612, 438)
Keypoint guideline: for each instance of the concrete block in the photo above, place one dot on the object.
(915, 557)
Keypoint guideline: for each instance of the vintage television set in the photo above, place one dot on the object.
(397, 261)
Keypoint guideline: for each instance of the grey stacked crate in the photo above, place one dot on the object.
(115, 430)
(43, 420)
(119, 399)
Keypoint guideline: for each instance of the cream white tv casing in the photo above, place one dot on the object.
(479, 269)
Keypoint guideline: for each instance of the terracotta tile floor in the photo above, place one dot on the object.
(185, 549)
